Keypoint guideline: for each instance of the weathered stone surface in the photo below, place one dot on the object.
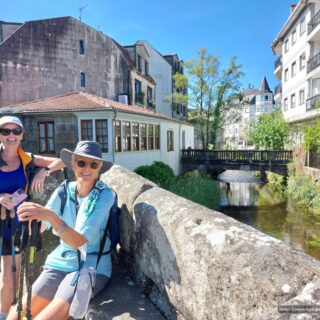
(128, 186)
(208, 265)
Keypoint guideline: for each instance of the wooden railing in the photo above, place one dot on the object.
(276, 156)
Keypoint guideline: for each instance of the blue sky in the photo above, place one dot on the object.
(224, 27)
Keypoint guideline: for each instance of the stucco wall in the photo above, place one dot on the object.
(42, 59)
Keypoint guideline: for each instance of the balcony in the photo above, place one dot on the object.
(314, 22)
(278, 89)
(278, 68)
(313, 62)
(311, 103)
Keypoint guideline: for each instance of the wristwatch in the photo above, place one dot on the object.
(47, 171)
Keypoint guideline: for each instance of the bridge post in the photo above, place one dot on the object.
(263, 175)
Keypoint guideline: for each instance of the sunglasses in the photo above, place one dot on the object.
(15, 131)
(82, 164)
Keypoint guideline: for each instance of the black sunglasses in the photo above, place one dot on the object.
(82, 164)
(15, 131)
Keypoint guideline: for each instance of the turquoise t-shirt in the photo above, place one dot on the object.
(64, 258)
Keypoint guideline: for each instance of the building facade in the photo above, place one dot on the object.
(46, 58)
(130, 136)
(297, 47)
(254, 103)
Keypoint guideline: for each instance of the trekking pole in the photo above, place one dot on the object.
(32, 247)
(21, 280)
(13, 255)
(3, 216)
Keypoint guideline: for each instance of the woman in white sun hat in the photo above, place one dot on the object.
(16, 172)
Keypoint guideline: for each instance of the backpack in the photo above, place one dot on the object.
(112, 229)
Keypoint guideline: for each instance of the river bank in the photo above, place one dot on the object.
(246, 199)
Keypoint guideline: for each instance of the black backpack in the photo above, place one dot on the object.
(112, 229)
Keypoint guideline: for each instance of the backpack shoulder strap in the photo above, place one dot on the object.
(63, 194)
(105, 233)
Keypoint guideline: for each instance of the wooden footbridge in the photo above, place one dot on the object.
(248, 160)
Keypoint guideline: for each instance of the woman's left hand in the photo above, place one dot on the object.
(32, 211)
(38, 180)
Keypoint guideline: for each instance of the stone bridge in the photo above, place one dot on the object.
(248, 160)
(202, 264)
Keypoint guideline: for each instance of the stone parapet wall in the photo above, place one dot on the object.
(205, 264)
(313, 173)
(209, 266)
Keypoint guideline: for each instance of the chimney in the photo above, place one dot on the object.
(292, 7)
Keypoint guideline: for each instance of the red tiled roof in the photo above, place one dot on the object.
(80, 101)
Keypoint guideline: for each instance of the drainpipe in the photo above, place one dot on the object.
(115, 112)
(179, 148)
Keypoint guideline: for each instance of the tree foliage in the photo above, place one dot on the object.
(270, 132)
(211, 92)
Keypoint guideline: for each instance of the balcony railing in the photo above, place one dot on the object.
(312, 102)
(278, 89)
(278, 63)
(313, 62)
(314, 22)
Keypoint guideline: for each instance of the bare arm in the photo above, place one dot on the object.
(53, 164)
(29, 211)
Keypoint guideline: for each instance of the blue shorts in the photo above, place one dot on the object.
(57, 284)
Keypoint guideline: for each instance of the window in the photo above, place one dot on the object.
(143, 141)
(82, 80)
(293, 69)
(46, 137)
(135, 136)
(170, 140)
(302, 61)
(117, 135)
(86, 130)
(258, 109)
(102, 134)
(266, 97)
(126, 135)
(301, 97)
(139, 63)
(285, 104)
(81, 47)
(293, 101)
(302, 26)
(138, 93)
(157, 136)
(294, 37)
(150, 137)
(286, 74)
(286, 46)
(146, 68)
(149, 98)
(246, 120)
(246, 110)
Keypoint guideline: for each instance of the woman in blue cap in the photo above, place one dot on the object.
(16, 172)
(80, 224)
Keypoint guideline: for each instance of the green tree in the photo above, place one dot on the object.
(211, 92)
(270, 132)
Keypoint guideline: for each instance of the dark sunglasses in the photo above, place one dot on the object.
(15, 131)
(82, 164)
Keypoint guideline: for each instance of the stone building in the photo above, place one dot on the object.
(45, 58)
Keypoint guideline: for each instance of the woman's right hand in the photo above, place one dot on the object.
(28, 211)
(5, 199)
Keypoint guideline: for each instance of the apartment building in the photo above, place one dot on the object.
(254, 103)
(297, 67)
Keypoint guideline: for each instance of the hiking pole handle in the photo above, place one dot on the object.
(33, 240)
(3, 214)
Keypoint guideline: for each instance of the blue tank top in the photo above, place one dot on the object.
(9, 183)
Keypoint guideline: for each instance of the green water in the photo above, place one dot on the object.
(244, 198)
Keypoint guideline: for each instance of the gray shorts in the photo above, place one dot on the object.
(57, 284)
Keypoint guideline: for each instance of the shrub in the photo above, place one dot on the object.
(159, 173)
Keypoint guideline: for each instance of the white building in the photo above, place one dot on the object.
(298, 65)
(254, 103)
(130, 135)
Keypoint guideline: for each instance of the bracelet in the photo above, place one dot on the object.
(47, 169)
(62, 228)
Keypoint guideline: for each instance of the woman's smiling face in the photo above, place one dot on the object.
(11, 135)
(86, 169)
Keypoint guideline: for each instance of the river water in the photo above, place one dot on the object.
(245, 198)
